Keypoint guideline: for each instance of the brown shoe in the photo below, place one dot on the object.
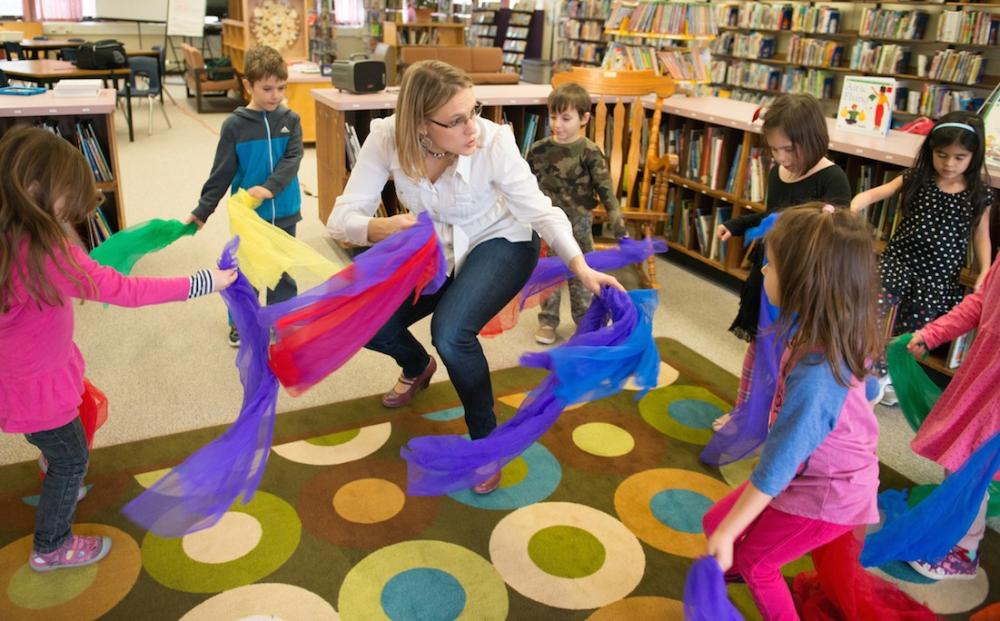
(393, 399)
(488, 485)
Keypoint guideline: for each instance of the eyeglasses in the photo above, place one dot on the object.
(462, 120)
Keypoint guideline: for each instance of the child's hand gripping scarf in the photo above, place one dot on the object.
(319, 330)
(551, 272)
(123, 249)
(195, 494)
(705, 597)
(266, 252)
(596, 362)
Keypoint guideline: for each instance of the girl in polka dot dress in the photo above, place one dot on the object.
(946, 200)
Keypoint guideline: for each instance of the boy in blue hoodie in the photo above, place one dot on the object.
(260, 147)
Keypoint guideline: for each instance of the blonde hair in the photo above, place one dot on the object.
(40, 169)
(427, 85)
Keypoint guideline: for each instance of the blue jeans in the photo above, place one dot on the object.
(493, 273)
(65, 450)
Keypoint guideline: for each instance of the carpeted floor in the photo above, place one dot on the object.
(599, 520)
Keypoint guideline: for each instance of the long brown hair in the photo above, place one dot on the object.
(829, 288)
(39, 169)
(800, 116)
(427, 85)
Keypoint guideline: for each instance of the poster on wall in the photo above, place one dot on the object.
(866, 105)
(280, 24)
(990, 113)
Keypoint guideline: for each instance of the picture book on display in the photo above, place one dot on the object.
(866, 105)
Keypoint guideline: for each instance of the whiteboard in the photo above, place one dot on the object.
(133, 10)
(186, 18)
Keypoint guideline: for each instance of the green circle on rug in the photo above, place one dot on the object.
(35, 591)
(167, 563)
(334, 439)
(692, 403)
(566, 551)
(514, 472)
(603, 439)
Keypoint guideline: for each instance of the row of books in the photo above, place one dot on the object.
(816, 19)
(757, 15)
(582, 30)
(517, 32)
(753, 75)
(745, 45)
(962, 66)
(815, 52)
(515, 45)
(512, 58)
(960, 348)
(879, 58)
(758, 166)
(737, 94)
(520, 19)
(695, 19)
(588, 8)
(417, 36)
(935, 100)
(972, 27)
(694, 227)
(98, 228)
(352, 145)
(893, 24)
(485, 32)
(884, 216)
(85, 138)
(693, 64)
(483, 17)
(589, 53)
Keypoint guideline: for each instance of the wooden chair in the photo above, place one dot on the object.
(196, 79)
(625, 90)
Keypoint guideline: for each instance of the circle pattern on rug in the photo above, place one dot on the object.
(645, 607)
(243, 533)
(514, 548)
(264, 601)
(77, 594)
(336, 448)
(363, 505)
(650, 504)
(603, 439)
(379, 587)
(454, 413)
(945, 597)
(541, 479)
(666, 376)
(166, 561)
(683, 412)
(647, 452)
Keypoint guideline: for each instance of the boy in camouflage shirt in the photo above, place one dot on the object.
(573, 172)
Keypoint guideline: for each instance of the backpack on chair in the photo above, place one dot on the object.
(107, 54)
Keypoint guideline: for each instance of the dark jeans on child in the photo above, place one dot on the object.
(493, 273)
(65, 450)
(286, 288)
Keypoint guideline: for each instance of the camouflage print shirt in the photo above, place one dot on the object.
(576, 176)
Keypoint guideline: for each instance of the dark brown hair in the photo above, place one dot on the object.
(829, 287)
(569, 97)
(40, 169)
(264, 62)
(801, 118)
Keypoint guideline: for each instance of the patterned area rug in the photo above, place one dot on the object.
(599, 520)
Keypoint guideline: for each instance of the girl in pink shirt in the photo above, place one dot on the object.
(47, 188)
(818, 473)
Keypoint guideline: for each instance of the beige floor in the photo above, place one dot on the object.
(167, 369)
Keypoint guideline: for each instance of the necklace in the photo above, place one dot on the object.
(438, 155)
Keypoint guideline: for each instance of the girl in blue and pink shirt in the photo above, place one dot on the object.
(47, 188)
(818, 473)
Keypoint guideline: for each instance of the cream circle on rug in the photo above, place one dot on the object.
(270, 601)
(367, 441)
(514, 546)
(603, 439)
(947, 597)
(666, 376)
(427, 580)
(369, 501)
(234, 536)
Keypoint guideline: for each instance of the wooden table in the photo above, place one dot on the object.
(299, 95)
(34, 46)
(48, 72)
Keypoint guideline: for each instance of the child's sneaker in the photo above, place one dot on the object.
(889, 398)
(234, 337)
(76, 551)
(546, 335)
(957, 565)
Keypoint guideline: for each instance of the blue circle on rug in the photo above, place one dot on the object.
(543, 477)
(446, 415)
(694, 413)
(423, 593)
(680, 509)
(901, 570)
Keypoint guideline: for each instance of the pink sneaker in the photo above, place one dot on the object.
(76, 551)
(957, 565)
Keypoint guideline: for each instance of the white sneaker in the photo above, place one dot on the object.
(546, 335)
(889, 397)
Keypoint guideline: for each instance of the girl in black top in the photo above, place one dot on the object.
(796, 132)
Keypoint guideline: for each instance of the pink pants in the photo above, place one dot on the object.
(774, 539)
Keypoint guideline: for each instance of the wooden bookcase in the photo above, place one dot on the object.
(238, 30)
(427, 33)
(580, 28)
(65, 114)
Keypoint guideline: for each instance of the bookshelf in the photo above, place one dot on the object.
(580, 27)
(521, 30)
(281, 25)
(483, 30)
(427, 33)
(93, 118)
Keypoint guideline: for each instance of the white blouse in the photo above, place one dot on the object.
(489, 194)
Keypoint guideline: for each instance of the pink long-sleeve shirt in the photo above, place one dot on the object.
(41, 369)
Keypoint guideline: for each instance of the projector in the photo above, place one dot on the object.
(360, 74)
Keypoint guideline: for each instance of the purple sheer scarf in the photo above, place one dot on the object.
(195, 494)
(705, 597)
(594, 363)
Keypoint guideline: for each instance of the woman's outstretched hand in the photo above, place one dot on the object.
(591, 278)
(380, 228)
